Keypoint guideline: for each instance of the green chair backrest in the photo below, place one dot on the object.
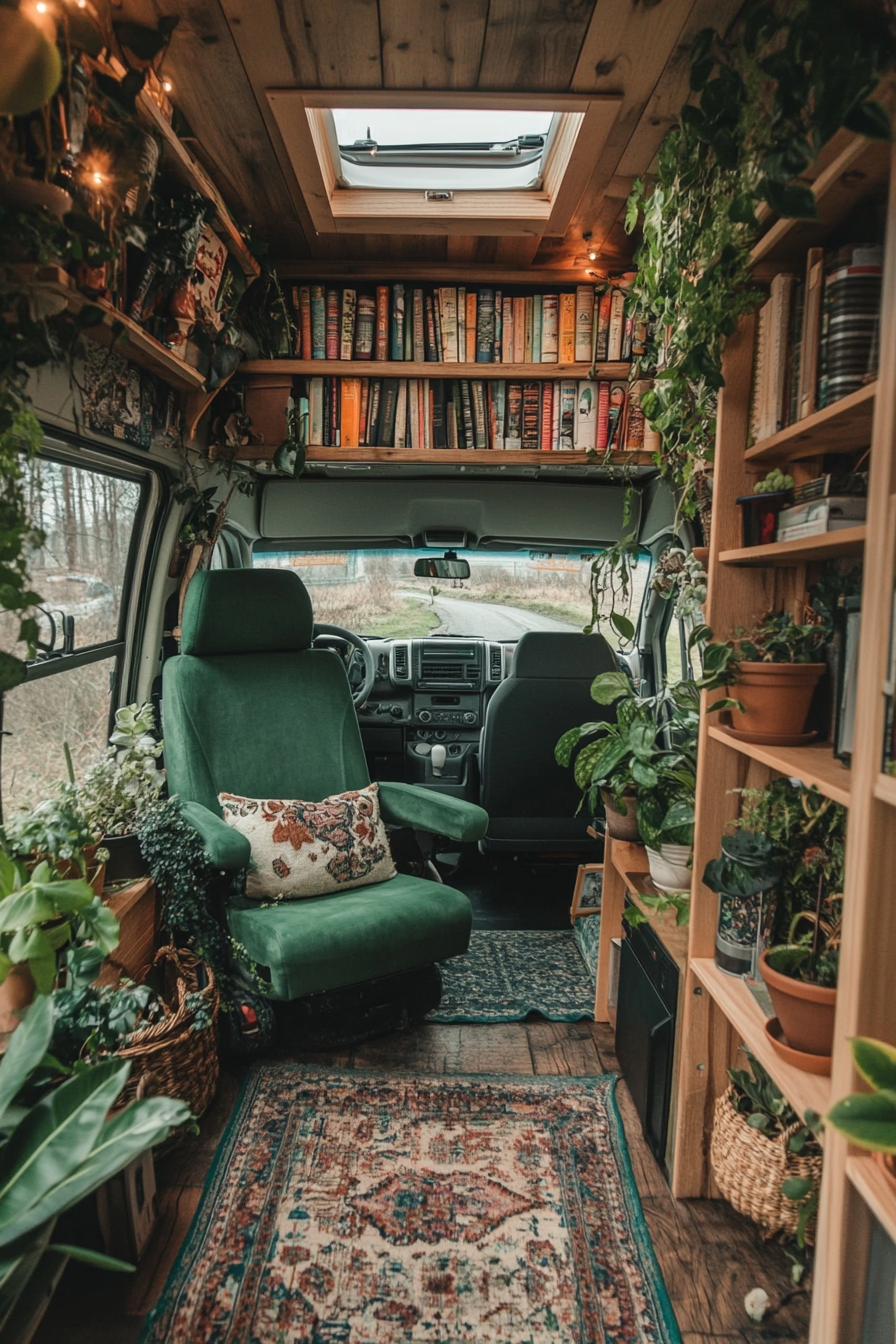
(248, 706)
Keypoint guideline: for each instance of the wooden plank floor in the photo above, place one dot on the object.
(710, 1256)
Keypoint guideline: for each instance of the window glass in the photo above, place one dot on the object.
(375, 592)
(39, 716)
(88, 518)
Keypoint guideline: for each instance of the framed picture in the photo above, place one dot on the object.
(586, 897)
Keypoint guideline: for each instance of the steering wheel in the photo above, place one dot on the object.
(333, 637)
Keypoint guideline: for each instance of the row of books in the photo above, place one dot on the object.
(454, 325)
(475, 413)
(817, 338)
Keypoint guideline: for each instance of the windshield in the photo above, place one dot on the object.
(375, 592)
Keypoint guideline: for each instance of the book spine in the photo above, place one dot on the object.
(347, 340)
(432, 351)
(547, 416)
(396, 327)
(350, 412)
(550, 331)
(332, 324)
(449, 325)
(628, 332)
(401, 437)
(537, 317)
(419, 343)
(617, 321)
(296, 310)
(497, 344)
(602, 434)
(519, 331)
(439, 423)
(327, 427)
(507, 331)
(617, 397)
(304, 323)
(471, 346)
(584, 323)
(480, 431)
(363, 414)
(437, 318)
(388, 410)
(454, 412)
(585, 431)
(318, 323)
(513, 432)
(467, 407)
(373, 416)
(567, 415)
(485, 327)
(364, 327)
(382, 322)
(530, 323)
(499, 394)
(531, 416)
(462, 324)
(335, 414)
(567, 343)
(426, 411)
(555, 418)
(315, 412)
(602, 344)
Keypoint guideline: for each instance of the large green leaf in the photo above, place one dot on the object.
(29, 906)
(56, 1135)
(28, 943)
(124, 1137)
(27, 1047)
(68, 896)
(101, 925)
(607, 687)
(876, 1062)
(868, 1119)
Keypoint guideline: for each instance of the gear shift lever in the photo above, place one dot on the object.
(438, 758)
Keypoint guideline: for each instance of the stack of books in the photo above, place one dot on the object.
(560, 415)
(817, 337)
(827, 504)
(456, 325)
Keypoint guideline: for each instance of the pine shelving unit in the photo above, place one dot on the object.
(412, 368)
(720, 1013)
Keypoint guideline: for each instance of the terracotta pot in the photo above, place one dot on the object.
(16, 992)
(669, 869)
(622, 825)
(775, 697)
(701, 555)
(806, 1012)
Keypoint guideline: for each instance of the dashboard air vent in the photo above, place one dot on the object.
(401, 662)
(443, 672)
(496, 662)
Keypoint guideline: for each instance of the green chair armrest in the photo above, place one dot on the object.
(226, 848)
(426, 810)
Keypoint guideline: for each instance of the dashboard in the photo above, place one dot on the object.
(428, 691)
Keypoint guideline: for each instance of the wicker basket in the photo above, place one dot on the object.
(171, 1058)
(750, 1168)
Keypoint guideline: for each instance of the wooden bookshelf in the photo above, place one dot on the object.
(804, 1091)
(877, 1191)
(826, 546)
(839, 428)
(132, 342)
(469, 457)
(630, 862)
(813, 764)
(408, 368)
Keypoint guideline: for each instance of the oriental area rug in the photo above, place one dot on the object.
(362, 1208)
(508, 973)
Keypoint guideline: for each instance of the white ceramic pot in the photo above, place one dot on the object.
(669, 869)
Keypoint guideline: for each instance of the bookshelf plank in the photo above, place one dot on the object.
(474, 456)
(408, 368)
(878, 1192)
(885, 789)
(134, 344)
(804, 1091)
(813, 764)
(839, 428)
(630, 862)
(858, 173)
(848, 541)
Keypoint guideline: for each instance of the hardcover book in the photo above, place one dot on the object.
(567, 328)
(550, 331)
(318, 323)
(513, 432)
(350, 412)
(547, 417)
(419, 343)
(382, 322)
(584, 323)
(485, 326)
(471, 327)
(617, 321)
(396, 328)
(567, 415)
(585, 432)
(305, 323)
(531, 416)
(507, 330)
(333, 324)
(347, 327)
(365, 323)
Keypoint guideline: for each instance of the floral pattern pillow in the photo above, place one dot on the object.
(311, 849)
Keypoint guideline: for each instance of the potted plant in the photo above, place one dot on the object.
(770, 674)
(59, 831)
(118, 790)
(801, 976)
(868, 1119)
(759, 511)
(744, 872)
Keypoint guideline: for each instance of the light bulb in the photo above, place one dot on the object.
(41, 7)
(167, 85)
(82, 4)
(98, 177)
(592, 256)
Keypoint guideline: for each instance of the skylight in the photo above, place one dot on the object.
(444, 149)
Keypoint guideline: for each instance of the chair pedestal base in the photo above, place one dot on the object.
(355, 1013)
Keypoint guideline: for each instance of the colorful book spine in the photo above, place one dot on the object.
(462, 324)
(536, 328)
(382, 323)
(547, 416)
(602, 341)
(519, 331)
(448, 307)
(373, 414)
(364, 326)
(485, 327)
(531, 416)
(388, 412)
(364, 413)
(584, 323)
(347, 325)
(396, 328)
(603, 417)
(318, 323)
(507, 331)
(499, 402)
(617, 322)
(550, 331)
(467, 407)
(305, 321)
(513, 425)
(470, 346)
(350, 412)
(585, 430)
(480, 431)
(567, 415)
(429, 331)
(497, 344)
(567, 339)
(530, 324)
(419, 342)
(333, 324)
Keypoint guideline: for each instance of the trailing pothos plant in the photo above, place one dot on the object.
(762, 105)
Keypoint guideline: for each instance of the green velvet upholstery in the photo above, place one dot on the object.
(250, 709)
(328, 941)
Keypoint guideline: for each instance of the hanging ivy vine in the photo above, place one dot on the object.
(764, 103)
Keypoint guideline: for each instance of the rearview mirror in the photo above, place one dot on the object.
(441, 567)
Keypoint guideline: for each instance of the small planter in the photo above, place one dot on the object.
(669, 869)
(738, 932)
(775, 698)
(126, 862)
(805, 1011)
(622, 825)
(760, 516)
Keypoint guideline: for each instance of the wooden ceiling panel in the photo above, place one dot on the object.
(309, 43)
(434, 45)
(533, 44)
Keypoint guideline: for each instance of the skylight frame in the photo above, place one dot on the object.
(309, 142)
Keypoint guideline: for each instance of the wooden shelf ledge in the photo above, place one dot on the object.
(630, 861)
(839, 428)
(804, 1091)
(813, 764)
(885, 789)
(847, 541)
(133, 344)
(412, 368)
(878, 1192)
(492, 457)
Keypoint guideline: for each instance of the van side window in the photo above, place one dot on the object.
(81, 571)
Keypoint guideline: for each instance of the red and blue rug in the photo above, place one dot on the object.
(358, 1208)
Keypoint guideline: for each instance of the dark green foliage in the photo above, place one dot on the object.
(757, 1098)
(746, 866)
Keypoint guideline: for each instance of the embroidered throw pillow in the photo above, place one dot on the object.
(311, 849)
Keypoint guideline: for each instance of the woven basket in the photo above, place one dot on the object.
(171, 1058)
(750, 1168)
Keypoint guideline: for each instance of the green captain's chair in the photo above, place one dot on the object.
(251, 708)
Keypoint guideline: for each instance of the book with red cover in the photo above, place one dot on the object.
(382, 322)
(332, 324)
(603, 416)
(531, 416)
(547, 416)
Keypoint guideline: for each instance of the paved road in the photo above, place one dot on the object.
(489, 622)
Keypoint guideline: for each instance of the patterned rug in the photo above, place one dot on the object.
(355, 1208)
(508, 973)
